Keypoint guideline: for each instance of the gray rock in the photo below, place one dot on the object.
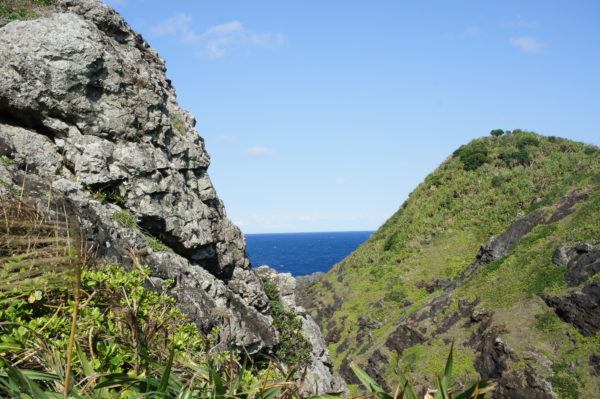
(319, 377)
(87, 111)
(559, 257)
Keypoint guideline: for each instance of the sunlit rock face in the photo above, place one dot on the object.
(86, 108)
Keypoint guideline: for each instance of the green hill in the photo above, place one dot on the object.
(431, 275)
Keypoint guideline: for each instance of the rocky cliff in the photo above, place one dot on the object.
(496, 251)
(87, 114)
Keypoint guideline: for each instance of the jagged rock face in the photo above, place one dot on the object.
(319, 378)
(580, 307)
(86, 109)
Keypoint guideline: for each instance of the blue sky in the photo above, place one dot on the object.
(324, 115)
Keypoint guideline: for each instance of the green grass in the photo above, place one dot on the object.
(157, 245)
(437, 232)
(15, 10)
(178, 124)
(125, 218)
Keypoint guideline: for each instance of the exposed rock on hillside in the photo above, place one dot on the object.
(501, 259)
(319, 377)
(86, 112)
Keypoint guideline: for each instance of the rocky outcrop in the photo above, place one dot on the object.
(88, 116)
(580, 307)
(87, 113)
(446, 316)
(319, 377)
(498, 247)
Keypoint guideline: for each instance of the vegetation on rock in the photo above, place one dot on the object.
(11, 10)
(416, 273)
(294, 349)
(104, 332)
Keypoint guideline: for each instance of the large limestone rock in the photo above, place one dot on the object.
(87, 111)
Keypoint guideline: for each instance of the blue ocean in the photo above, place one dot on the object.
(303, 253)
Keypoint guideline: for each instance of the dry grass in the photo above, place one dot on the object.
(37, 247)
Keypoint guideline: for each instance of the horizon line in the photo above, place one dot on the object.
(312, 232)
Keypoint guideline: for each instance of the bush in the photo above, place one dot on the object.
(293, 349)
(473, 155)
(497, 132)
(520, 157)
(527, 141)
(394, 296)
(497, 181)
(591, 150)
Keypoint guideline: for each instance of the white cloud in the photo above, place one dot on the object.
(527, 43)
(259, 150)
(218, 40)
(306, 219)
(521, 23)
(341, 180)
(178, 24)
(227, 138)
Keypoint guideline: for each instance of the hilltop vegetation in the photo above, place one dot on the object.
(400, 296)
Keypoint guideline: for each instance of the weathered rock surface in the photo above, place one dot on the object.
(320, 377)
(580, 307)
(86, 108)
(87, 113)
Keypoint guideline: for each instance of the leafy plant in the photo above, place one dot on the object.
(294, 349)
(445, 388)
(497, 132)
(520, 157)
(527, 141)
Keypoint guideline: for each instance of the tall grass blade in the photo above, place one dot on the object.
(164, 381)
(369, 383)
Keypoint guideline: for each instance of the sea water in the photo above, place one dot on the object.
(303, 253)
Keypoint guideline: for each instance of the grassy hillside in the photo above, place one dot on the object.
(422, 251)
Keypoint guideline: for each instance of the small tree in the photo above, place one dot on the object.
(497, 132)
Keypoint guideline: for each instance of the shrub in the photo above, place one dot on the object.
(473, 155)
(497, 132)
(520, 157)
(394, 296)
(546, 322)
(294, 349)
(527, 141)
(498, 181)
(591, 150)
